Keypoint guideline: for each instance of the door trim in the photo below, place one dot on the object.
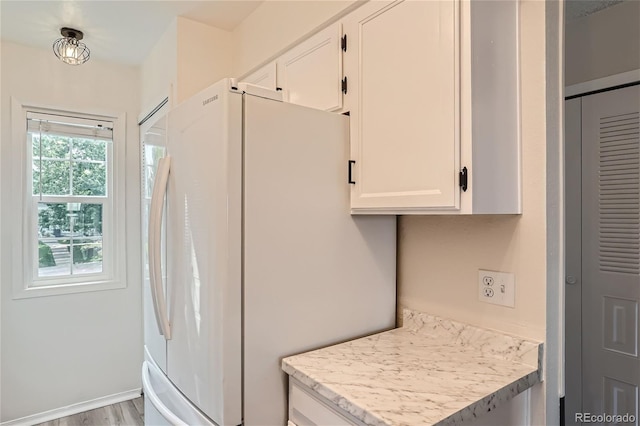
(600, 84)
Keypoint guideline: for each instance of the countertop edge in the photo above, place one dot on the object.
(493, 400)
(484, 405)
(343, 403)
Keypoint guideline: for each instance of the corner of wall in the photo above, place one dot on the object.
(204, 56)
(158, 72)
(252, 48)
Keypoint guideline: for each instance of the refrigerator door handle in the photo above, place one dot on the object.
(150, 393)
(155, 244)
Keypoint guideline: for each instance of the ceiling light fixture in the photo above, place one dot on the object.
(69, 49)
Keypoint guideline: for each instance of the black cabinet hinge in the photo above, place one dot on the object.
(351, 163)
(344, 85)
(343, 43)
(464, 179)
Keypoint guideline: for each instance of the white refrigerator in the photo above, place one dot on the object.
(252, 254)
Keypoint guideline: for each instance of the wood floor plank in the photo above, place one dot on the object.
(130, 414)
(126, 413)
(97, 417)
(55, 422)
(139, 404)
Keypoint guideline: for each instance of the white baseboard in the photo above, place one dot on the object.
(72, 409)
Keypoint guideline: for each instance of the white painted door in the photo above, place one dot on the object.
(611, 252)
(154, 140)
(403, 87)
(311, 72)
(204, 242)
(265, 76)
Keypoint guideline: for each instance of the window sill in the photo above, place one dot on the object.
(60, 289)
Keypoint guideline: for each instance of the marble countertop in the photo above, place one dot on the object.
(430, 371)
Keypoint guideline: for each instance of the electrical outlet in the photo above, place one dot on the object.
(497, 288)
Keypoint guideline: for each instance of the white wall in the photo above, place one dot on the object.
(285, 22)
(204, 57)
(187, 58)
(67, 349)
(159, 71)
(604, 43)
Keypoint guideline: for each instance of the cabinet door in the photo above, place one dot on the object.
(309, 408)
(402, 67)
(311, 72)
(265, 76)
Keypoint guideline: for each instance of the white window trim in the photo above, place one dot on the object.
(20, 216)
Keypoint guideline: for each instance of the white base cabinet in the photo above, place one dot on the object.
(308, 408)
(434, 102)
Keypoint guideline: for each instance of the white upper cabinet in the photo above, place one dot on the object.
(402, 69)
(410, 67)
(265, 76)
(311, 72)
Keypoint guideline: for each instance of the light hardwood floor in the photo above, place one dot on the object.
(127, 413)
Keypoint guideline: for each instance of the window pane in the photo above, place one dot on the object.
(89, 179)
(55, 177)
(52, 146)
(88, 149)
(54, 227)
(87, 255)
(87, 238)
(69, 239)
(53, 258)
(87, 219)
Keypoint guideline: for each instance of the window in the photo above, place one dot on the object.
(70, 164)
(70, 226)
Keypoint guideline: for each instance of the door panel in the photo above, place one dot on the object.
(573, 260)
(311, 72)
(611, 251)
(203, 221)
(404, 98)
(264, 77)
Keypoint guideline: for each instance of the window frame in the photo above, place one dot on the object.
(26, 282)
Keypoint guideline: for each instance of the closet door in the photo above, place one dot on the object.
(611, 252)
(573, 258)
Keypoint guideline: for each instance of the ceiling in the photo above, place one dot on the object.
(117, 31)
(124, 31)
(580, 8)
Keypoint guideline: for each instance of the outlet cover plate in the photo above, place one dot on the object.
(497, 288)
